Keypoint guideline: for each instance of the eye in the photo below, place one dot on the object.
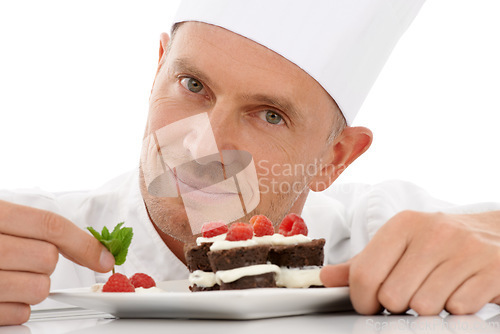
(192, 84)
(271, 117)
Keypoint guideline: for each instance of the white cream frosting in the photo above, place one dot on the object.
(202, 240)
(202, 279)
(273, 240)
(298, 277)
(279, 239)
(285, 277)
(153, 289)
(231, 275)
(225, 244)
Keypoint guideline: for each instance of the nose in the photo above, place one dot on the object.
(200, 141)
(224, 121)
(213, 134)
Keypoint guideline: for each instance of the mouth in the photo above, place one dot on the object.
(202, 185)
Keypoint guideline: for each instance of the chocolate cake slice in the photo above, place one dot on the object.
(246, 256)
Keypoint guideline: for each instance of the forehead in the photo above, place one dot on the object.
(246, 63)
(231, 45)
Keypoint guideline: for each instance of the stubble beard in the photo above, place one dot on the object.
(170, 217)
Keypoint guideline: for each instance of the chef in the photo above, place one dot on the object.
(250, 113)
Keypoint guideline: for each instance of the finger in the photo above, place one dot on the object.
(373, 265)
(420, 259)
(22, 221)
(21, 254)
(473, 294)
(335, 275)
(432, 295)
(23, 287)
(402, 283)
(14, 314)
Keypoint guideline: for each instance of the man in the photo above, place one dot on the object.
(258, 101)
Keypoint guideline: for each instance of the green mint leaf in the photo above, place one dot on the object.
(105, 233)
(117, 242)
(116, 230)
(94, 233)
(125, 235)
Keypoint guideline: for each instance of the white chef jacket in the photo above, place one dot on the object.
(346, 215)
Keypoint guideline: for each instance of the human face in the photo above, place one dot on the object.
(256, 101)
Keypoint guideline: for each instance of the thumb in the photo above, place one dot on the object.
(335, 275)
(95, 257)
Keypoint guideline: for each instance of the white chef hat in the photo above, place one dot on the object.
(342, 44)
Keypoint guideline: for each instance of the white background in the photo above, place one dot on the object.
(75, 78)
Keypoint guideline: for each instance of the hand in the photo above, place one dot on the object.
(427, 262)
(30, 242)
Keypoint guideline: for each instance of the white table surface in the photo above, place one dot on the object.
(83, 321)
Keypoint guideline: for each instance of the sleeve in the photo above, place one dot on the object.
(35, 198)
(368, 207)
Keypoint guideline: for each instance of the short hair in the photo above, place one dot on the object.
(338, 125)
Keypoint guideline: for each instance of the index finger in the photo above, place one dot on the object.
(370, 268)
(335, 275)
(73, 242)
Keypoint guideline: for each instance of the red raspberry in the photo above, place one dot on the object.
(141, 280)
(292, 224)
(212, 229)
(239, 232)
(118, 283)
(261, 225)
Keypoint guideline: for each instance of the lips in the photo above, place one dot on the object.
(200, 185)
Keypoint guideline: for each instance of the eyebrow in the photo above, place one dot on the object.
(183, 65)
(282, 103)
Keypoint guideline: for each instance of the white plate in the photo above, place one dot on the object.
(179, 302)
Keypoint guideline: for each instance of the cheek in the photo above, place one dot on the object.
(277, 172)
(164, 111)
(167, 105)
(287, 168)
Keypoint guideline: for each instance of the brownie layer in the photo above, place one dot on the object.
(300, 255)
(196, 257)
(196, 288)
(266, 280)
(226, 259)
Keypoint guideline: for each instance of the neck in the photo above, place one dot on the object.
(299, 203)
(175, 246)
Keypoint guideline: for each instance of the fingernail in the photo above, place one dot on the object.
(107, 259)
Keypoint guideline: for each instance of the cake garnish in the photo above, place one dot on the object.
(141, 280)
(292, 224)
(261, 226)
(239, 232)
(213, 229)
(117, 242)
(118, 283)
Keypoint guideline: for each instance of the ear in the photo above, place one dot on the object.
(164, 39)
(347, 147)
